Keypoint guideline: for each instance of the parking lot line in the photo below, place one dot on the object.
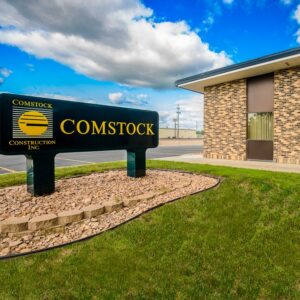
(76, 160)
(8, 170)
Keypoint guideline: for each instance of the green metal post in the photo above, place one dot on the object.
(40, 174)
(136, 163)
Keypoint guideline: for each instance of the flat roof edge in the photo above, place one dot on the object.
(238, 66)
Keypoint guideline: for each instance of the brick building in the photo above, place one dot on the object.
(252, 109)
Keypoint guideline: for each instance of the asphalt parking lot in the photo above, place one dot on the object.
(17, 163)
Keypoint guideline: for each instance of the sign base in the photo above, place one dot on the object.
(40, 174)
(136, 163)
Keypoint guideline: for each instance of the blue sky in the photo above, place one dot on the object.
(129, 53)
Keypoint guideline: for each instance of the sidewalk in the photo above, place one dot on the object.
(259, 165)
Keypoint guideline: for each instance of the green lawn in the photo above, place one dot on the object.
(239, 241)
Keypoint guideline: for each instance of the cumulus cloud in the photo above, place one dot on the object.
(191, 113)
(297, 18)
(115, 98)
(297, 14)
(114, 40)
(120, 98)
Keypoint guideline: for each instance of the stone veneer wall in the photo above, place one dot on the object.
(225, 120)
(287, 116)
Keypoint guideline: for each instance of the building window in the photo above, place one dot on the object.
(260, 126)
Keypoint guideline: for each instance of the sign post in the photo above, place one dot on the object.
(40, 174)
(40, 128)
(136, 163)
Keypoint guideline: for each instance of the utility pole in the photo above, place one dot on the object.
(178, 112)
(175, 120)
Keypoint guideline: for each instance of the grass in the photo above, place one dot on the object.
(20, 177)
(239, 241)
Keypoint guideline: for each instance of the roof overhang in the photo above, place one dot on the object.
(255, 67)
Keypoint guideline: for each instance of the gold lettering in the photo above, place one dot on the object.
(62, 126)
(149, 129)
(87, 127)
(31, 103)
(112, 129)
(132, 132)
(121, 127)
(138, 129)
(98, 130)
(33, 147)
(84, 127)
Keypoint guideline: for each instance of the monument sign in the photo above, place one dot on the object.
(40, 128)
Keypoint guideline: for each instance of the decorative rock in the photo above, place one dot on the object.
(131, 202)
(42, 222)
(15, 243)
(14, 225)
(3, 235)
(87, 200)
(19, 234)
(111, 206)
(4, 252)
(56, 229)
(140, 195)
(71, 216)
(96, 188)
(145, 196)
(93, 211)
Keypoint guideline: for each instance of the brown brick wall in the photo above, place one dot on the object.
(225, 120)
(287, 116)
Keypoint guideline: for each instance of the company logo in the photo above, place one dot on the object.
(32, 122)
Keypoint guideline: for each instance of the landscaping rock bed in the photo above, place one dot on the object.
(85, 206)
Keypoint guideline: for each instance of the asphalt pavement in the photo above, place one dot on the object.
(16, 163)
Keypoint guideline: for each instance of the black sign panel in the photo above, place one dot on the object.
(40, 128)
(33, 125)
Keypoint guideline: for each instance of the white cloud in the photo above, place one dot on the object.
(191, 112)
(115, 40)
(297, 18)
(208, 22)
(56, 96)
(286, 2)
(115, 98)
(5, 72)
(30, 67)
(228, 1)
(128, 99)
(297, 14)
(59, 96)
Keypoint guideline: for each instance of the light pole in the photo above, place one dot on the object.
(175, 120)
(178, 112)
